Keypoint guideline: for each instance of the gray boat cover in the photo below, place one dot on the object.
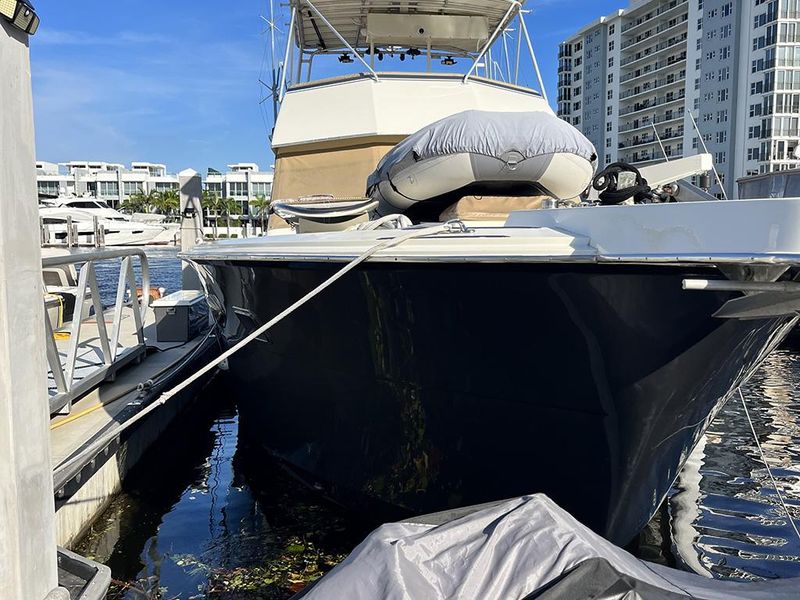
(525, 548)
(501, 135)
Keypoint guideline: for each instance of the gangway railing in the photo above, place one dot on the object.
(63, 354)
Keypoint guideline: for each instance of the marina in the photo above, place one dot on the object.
(450, 345)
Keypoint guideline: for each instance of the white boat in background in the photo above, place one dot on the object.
(117, 232)
(120, 229)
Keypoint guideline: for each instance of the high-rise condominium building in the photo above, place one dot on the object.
(633, 80)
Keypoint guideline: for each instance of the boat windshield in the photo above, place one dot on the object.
(320, 39)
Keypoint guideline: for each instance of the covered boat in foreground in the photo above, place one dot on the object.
(561, 353)
(525, 548)
(533, 341)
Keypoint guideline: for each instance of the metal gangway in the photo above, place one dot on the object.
(95, 341)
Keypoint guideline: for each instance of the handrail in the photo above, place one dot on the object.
(67, 388)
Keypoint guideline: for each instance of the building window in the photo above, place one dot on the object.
(610, 62)
(237, 189)
(611, 29)
(609, 126)
(213, 188)
(722, 137)
(131, 187)
(262, 188)
(722, 95)
(48, 188)
(108, 189)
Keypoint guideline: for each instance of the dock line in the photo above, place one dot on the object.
(67, 469)
(102, 442)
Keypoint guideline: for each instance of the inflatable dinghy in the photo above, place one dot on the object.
(482, 153)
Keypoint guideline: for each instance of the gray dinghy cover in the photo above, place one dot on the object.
(526, 141)
(527, 548)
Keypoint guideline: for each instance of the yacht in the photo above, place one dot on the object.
(476, 313)
(120, 229)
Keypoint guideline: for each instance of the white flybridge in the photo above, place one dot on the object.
(331, 132)
(460, 319)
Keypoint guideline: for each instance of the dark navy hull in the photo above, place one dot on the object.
(424, 386)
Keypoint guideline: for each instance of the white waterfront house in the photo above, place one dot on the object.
(113, 182)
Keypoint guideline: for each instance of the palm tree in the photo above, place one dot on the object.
(211, 202)
(137, 202)
(259, 206)
(167, 202)
(229, 207)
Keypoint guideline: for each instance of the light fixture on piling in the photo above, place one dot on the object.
(21, 14)
(448, 61)
(345, 58)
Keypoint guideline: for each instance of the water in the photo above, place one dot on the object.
(165, 272)
(740, 529)
(204, 516)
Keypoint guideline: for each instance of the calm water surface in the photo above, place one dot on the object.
(204, 516)
(726, 518)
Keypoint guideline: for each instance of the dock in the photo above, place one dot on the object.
(106, 371)
(82, 378)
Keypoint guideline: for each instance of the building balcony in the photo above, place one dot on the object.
(654, 86)
(648, 139)
(652, 157)
(656, 33)
(654, 50)
(649, 122)
(661, 11)
(676, 60)
(651, 104)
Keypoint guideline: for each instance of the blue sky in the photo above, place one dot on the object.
(176, 81)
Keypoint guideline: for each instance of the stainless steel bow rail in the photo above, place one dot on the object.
(71, 379)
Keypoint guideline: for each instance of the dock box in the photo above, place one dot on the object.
(180, 316)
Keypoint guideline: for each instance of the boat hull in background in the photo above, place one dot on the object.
(419, 387)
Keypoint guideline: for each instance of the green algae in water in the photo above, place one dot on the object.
(204, 516)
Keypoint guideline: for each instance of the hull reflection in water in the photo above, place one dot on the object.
(414, 388)
(202, 514)
(727, 519)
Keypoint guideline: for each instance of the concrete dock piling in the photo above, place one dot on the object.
(191, 186)
(28, 569)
